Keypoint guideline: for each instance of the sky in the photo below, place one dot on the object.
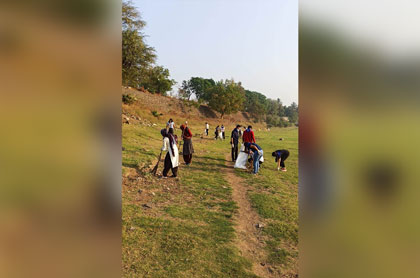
(254, 42)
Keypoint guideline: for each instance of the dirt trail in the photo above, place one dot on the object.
(249, 238)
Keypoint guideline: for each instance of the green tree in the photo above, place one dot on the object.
(197, 86)
(255, 104)
(292, 112)
(226, 97)
(157, 80)
(136, 54)
(138, 58)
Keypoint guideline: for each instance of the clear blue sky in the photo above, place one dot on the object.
(255, 42)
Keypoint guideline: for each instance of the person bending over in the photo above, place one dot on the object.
(281, 156)
(258, 153)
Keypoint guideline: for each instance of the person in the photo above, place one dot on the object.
(257, 154)
(222, 129)
(207, 129)
(234, 141)
(172, 156)
(188, 148)
(216, 132)
(170, 125)
(248, 136)
(281, 156)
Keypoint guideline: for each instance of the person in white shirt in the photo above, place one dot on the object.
(170, 125)
(223, 132)
(207, 129)
(172, 156)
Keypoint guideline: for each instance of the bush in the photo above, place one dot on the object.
(155, 113)
(128, 99)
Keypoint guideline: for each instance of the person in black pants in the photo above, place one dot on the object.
(234, 141)
(281, 156)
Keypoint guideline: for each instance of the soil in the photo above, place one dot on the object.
(249, 237)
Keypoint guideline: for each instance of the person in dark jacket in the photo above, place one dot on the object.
(234, 141)
(281, 156)
(188, 148)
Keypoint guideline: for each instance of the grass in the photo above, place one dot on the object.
(188, 231)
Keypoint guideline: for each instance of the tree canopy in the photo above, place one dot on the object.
(138, 58)
(227, 97)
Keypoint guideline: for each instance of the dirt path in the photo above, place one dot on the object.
(249, 237)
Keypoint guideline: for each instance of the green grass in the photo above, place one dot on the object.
(189, 230)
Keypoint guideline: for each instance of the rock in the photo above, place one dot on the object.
(139, 191)
(270, 270)
(147, 206)
(153, 193)
(281, 139)
(263, 264)
(132, 228)
(259, 225)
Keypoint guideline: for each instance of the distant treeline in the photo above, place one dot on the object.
(227, 96)
(139, 70)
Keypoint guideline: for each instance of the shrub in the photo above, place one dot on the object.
(155, 113)
(128, 99)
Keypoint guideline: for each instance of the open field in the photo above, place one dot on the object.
(201, 224)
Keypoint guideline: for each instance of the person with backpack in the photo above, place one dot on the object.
(280, 157)
(256, 156)
(188, 148)
(234, 141)
(172, 156)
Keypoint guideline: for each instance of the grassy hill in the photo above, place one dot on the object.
(212, 220)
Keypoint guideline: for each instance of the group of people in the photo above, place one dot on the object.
(252, 151)
(170, 145)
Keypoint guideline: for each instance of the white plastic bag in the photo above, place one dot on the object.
(241, 159)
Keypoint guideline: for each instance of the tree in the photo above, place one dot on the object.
(226, 97)
(138, 58)
(196, 86)
(157, 80)
(292, 112)
(136, 54)
(255, 104)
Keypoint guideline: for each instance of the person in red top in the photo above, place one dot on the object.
(248, 136)
(188, 149)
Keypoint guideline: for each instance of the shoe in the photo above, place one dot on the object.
(283, 169)
(163, 177)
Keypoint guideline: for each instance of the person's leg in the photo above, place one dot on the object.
(185, 158)
(236, 150)
(167, 165)
(255, 162)
(284, 156)
(175, 172)
(233, 154)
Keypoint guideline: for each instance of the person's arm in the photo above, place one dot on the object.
(278, 163)
(253, 136)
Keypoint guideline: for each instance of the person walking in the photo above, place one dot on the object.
(216, 132)
(207, 129)
(257, 154)
(280, 157)
(222, 129)
(188, 148)
(170, 125)
(234, 141)
(172, 156)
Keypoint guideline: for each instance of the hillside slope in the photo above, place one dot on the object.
(169, 107)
